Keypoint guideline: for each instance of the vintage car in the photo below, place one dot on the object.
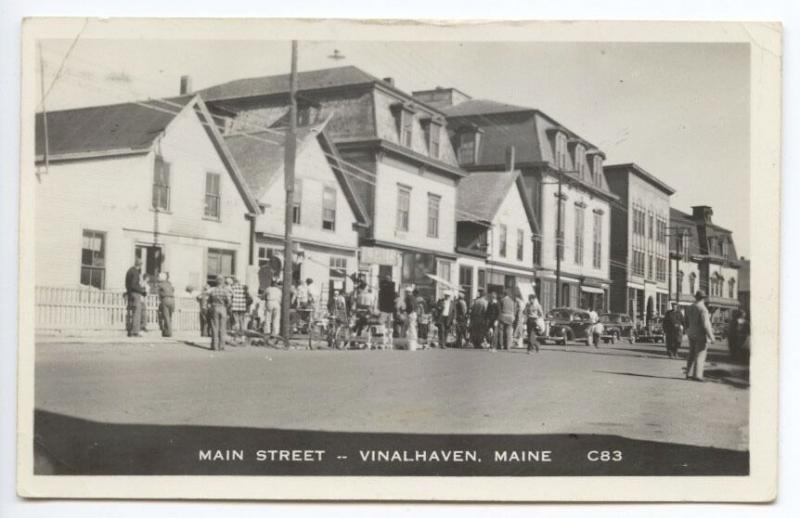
(652, 332)
(616, 326)
(568, 324)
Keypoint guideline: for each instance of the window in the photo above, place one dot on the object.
(580, 160)
(559, 248)
(638, 263)
(638, 221)
(433, 136)
(520, 244)
(329, 208)
(661, 231)
(724, 247)
(406, 127)
(649, 266)
(692, 282)
(298, 202)
(732, 289)
(220, 262)
(537, 250)
(467, 146)
(684, 246)
(93, 259)
(598, 170)
(337, 272)
(482, 279)
(161, 185)
(403, 207)
(561, 151)
(565, 295)
(433, 214)
(444, 270)
(465, 281)
(661, 269)
(212, 196)
(649, 226)
(306, 114)
(503, 239)
(679, 283)
(597, 240)
(579, 223)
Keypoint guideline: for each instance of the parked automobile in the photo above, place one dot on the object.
(568, 324)
(652, 332)
(616, 326)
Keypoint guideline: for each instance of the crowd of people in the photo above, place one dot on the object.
(500, 319)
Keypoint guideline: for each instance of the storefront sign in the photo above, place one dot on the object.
(382, 256)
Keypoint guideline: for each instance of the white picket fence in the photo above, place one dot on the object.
(88, 309)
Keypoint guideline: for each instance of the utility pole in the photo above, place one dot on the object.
(290, 147)
(559, 240)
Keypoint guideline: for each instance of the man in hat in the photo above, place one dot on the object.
(135, 292)
(219, 303)
(673, 329)
(477, 319)
(700, 335)
(461, 315)
(505, 320)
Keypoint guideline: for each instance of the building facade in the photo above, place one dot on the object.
(326, 213)
(495, 232)
(704, 257)
(640, 227)
(395, 151)
(150, 180)
(571, 266)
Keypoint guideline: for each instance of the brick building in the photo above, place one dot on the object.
(640, 227)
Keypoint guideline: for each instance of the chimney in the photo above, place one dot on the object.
(702, 213)
(186, 85)
(441, 97)
(510, 158)
(389, 81)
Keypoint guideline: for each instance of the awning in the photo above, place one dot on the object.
(589, 289)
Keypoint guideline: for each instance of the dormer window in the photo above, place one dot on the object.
(561, 151)
(433, 135)
(580, 161)
(404, 118)
(306, 115)
(468, 142)
(597, 169)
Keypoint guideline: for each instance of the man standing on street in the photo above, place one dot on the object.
(272, 320)
(166, 303)
(445, 319)
(700, 335)
(219, 303)
(238, 304)
(492, 314)
(673, 330)
(477, 320)
(135, 291)
(506, 319)
(461, 320)
(533, 314)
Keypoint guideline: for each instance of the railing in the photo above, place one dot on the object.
(88, 309)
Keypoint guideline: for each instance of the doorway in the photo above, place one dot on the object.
(152, 257)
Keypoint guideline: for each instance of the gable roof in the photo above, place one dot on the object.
(125, 129)
(111, 129)
(260, 156)
(481, 194)
(276, 84)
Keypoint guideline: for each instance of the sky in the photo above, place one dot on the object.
(678, 110)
